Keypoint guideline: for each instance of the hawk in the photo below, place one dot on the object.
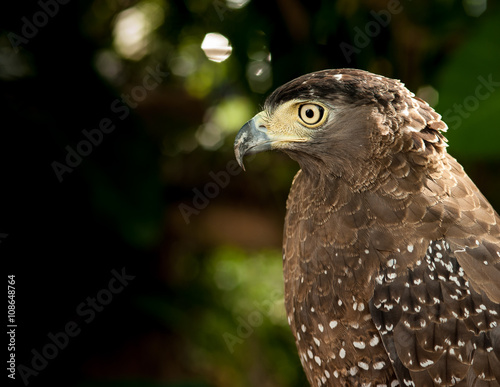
(391, 255)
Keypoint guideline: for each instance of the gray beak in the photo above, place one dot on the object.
(252, 138)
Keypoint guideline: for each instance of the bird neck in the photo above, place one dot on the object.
(326, 178)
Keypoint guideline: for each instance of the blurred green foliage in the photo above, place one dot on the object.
(469, 97)
(236, 331)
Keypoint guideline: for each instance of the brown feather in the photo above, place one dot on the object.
(391, 253)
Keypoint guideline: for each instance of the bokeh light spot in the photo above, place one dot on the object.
(108, 64)
(475, 8)
(236, 4)
(133, 27)
(259, 76)
(216, 47)
(428, 94)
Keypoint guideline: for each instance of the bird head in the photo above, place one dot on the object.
(337, 122)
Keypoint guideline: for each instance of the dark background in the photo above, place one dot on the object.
(205, 305)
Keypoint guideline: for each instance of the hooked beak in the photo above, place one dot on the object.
(252, 138)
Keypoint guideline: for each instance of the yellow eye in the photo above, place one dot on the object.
(311, 114)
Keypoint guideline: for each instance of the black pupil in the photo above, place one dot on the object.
(309, 113)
